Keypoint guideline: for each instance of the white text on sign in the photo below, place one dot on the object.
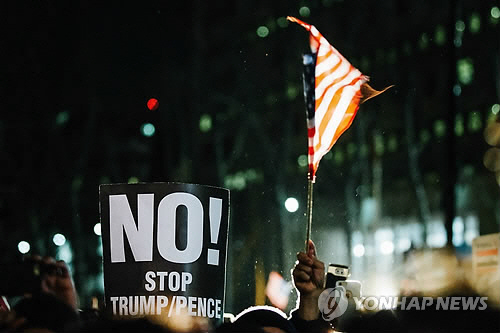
(140, 234)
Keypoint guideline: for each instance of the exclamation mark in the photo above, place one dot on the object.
(215, 215)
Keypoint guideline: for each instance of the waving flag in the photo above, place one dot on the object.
(339, 88)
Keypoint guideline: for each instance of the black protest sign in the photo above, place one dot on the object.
(164, 249)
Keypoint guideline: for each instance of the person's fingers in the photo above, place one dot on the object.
(318, 264)
(304, 259)
(311, 249)
(301, 276)
(305, 268)
(62, 268)
(48, 260)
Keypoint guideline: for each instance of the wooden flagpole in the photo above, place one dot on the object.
(310, 183)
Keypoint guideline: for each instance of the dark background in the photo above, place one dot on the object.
(76, 77)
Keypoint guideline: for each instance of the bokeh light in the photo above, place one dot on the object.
(153, 104)
(59, 239)
(262, 31)
(148, 129)
(97, 229)
(23, 247)
(291, 205)
(358, 250)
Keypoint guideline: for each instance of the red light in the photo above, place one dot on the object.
(153, 104)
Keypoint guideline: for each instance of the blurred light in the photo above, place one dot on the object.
(23, 247)
(133, 180)
(328, 156)
(62, 118)
(282, 22)
(302, 160)
(475, 23)
(291, 205)
(64, 253)
(97, 229)
(491, 159)
(495, 108)
(379, 145)
(304, 11)
(153, 104)
(459, 125)
(495, 12)
(465, 70)
(425, 136)
(404, 244)
(351, 149)
(492, 134)
(358, 250)
(457, 90)
(424, 41)
(475, 122)
(59, 239)
(205, 123)
(458, 40)
(458, 228)
(460, 25)
(387, 247)
(392, 143)
(437, 238)
(440, 35)
(439, 128)
(262, 31)
(338, 156)
(148, 129)
(292, 92)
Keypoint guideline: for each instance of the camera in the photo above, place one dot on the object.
(336, 273)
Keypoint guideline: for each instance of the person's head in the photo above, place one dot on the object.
(260, 319)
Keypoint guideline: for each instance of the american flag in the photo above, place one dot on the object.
(339, 88)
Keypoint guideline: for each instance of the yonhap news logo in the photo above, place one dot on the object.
(332, 303)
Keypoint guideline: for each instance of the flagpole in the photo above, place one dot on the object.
(310, 183)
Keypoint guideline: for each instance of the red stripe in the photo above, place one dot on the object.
(311, 132)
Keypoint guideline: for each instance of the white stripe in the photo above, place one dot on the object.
(323, 107)
(327, 64)
(337, 116)
(342, 70)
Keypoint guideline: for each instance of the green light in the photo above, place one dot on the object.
(302, 161)
(292, 92)
(459, 125)
(460, 25)
(282, 22)
(133, 180)
(475, 122)
(495, 108)
(457, 90)
(425, 136)
(205, 123)
(351, 149)
(440, 35)
(339, 156)
(148, 129)
(475, 23)
(392, 144)
(439, 128)
(465, 70)
(423, 42)
(62, 118)
(262, 31)
(495, 12)
(379, 145)
(304, 11)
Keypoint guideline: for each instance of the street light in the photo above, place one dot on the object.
(59, 239)
(291, 205)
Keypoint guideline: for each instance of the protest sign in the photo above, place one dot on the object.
(164, 249)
